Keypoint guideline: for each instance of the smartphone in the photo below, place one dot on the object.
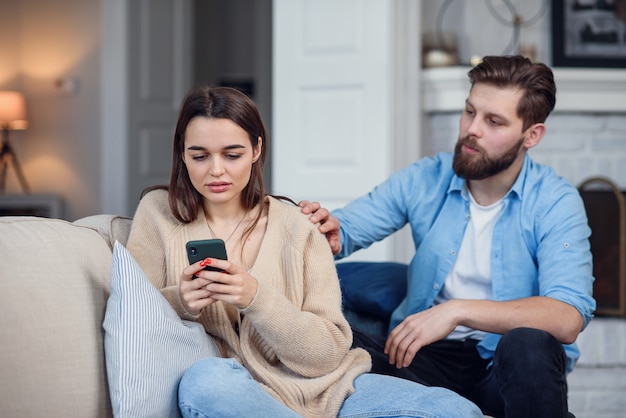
(201, 249)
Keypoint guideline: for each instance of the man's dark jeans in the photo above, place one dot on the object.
(526, 377)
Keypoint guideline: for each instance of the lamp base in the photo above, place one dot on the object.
(8, 156)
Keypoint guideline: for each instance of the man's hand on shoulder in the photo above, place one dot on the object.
(329, 225)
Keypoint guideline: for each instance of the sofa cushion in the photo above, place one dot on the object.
(54, 283)
(148, 347)
(372, 289)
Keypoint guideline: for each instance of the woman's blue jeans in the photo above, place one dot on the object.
(218, 387)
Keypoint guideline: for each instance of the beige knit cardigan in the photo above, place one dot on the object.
(293, 337)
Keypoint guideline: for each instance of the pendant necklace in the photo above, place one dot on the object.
(232, 233)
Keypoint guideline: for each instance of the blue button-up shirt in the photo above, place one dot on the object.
(540, 242)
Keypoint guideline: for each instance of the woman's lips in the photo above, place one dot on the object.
(218, 187)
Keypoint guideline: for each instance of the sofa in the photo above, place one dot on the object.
(54, 288)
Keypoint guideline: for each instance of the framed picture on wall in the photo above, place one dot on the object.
(589, 33)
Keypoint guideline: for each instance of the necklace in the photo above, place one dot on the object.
(232, 233)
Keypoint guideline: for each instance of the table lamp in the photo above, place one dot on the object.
(12, 117)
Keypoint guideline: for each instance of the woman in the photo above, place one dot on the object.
(275, 310)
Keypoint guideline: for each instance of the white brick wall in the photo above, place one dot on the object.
(579, 146)
(597, 386)
(597, 392)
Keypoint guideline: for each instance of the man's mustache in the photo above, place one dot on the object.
(469, 142)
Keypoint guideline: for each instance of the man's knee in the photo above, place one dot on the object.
(531, 338)
(530, 348)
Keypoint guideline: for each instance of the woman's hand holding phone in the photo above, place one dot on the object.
(212, 279)
(192, 288)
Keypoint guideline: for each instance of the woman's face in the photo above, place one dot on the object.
(219, 156)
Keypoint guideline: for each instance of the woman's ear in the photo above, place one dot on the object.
(257, 150)
(535, 134)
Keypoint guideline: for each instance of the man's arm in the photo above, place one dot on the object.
(329, 225)
(418, 330)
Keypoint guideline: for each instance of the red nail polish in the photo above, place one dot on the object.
(207, 261)
(202, 263)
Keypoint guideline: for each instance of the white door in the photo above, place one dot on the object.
(160, 73)
(334, 69)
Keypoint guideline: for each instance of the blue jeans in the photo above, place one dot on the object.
(219, 387)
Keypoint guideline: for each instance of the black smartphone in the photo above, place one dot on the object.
(201, 249)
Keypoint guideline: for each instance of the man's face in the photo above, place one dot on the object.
(491, 137)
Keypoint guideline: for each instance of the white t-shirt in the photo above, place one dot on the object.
(470, 277)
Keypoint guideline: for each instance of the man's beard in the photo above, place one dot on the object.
(481, 166)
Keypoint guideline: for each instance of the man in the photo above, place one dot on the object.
(500, 284)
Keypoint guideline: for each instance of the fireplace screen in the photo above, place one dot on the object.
(606, 211)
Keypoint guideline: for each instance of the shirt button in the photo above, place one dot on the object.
(452, 252)
(566, 245)
(436, 286)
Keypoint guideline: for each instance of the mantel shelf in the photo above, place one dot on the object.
(578, 90)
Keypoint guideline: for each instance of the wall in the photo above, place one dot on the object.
(41, 41)
(9, 48)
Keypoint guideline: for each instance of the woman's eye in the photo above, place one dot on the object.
(233, 156)
(198, 157)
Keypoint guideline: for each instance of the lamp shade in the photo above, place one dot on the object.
(12, 110)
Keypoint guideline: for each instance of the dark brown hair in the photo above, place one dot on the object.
(534, 79)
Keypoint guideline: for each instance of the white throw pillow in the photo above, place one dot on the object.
(147, 346)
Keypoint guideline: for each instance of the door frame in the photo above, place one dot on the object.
(114, 108)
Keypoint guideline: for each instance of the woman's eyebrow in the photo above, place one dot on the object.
(235, 146)
(196, 148)
(201, 148)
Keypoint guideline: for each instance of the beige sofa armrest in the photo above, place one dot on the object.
(54, 284)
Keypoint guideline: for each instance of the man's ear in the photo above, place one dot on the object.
(535, 133)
